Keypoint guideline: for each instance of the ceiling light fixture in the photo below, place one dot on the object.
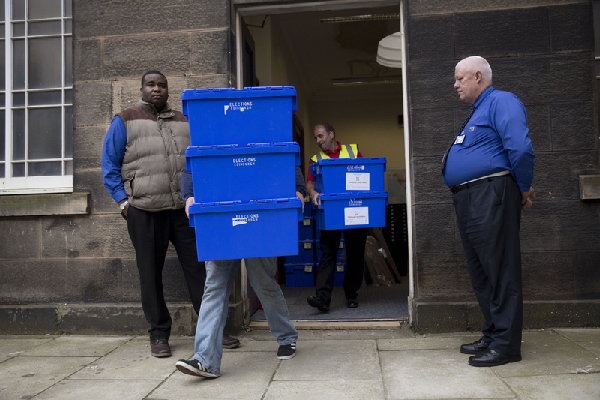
(389, 51)
(359, 18)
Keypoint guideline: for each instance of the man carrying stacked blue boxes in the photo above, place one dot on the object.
(330, 239)
(221, 273)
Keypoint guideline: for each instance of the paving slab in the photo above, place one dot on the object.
(244, 375)
(247, 345)
(24, 377)
(332, 360)
(265, 334)
(587, 338)
(93, 346)
(349, 390)
(435, 374)
(557, 387)
(13, 345)
(368, 334)
(132, 360)
(69, 389)
(547, 353)
(425, 343)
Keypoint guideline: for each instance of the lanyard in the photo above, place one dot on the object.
(464, 125)
(462, 128)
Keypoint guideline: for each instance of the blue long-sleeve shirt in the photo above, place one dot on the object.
(496, 139)
(113, 152)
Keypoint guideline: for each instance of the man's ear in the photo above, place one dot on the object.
(478, 76)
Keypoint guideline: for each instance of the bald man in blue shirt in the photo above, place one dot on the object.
(489, 170)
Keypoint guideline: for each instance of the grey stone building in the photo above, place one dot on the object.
(66, 262)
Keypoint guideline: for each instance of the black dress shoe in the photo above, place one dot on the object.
(474, 348)
(491, 358)
(318, 303)
(351, 303)
(230, 342)
(160, 348)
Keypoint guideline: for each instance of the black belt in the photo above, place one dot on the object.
(458, 188)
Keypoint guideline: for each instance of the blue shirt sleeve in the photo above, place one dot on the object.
(510, 121)
(300, 187)
(113, 152)
(187, 185)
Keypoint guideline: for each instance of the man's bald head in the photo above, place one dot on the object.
(477, 63)
(471, 77)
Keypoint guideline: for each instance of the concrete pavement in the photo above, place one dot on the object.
(329, 364)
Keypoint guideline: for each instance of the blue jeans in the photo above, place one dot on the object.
(208, 346)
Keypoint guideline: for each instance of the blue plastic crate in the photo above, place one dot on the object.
(309, 208)
(306, 228)
(232, 229)
(306, 253)
(341, 250)
(299, 275)
(344, 175)
(351, 210)
(249, 115)
(257, 171)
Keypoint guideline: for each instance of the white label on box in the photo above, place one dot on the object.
(243, 219)
(356, 215)
(244, 161)
(237, 106)
(358, 181)
(356, 168)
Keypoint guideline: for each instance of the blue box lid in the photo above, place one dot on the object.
(344, 161)
(245, 93)
(234, 149)
(239, 206)
(352, 195)
(291, 267)
(315, 170)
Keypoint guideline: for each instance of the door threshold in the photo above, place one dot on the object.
(354, 324)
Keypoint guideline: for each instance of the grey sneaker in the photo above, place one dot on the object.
(193, 367)
(286, 351)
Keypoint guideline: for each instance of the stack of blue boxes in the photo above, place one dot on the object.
(243, 162)
(352, 196)
(300, 269)
(352, 192)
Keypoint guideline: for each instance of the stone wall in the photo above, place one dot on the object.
(89, 258)
(541, 51)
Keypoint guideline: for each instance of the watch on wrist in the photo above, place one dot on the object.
(123, 205)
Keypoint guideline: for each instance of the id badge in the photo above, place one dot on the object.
(459, 139)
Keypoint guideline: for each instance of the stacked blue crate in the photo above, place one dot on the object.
(243, 168)
(352, 192)
(299, 269)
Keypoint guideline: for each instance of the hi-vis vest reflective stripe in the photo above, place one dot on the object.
(346, 151)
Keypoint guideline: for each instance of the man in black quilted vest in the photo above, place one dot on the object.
(142, 161)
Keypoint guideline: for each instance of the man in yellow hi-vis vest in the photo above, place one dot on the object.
(330, 239)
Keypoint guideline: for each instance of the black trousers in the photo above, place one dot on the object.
(488, 217)
(355, 253)
(150, 233)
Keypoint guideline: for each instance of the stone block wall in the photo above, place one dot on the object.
(542, 51)
(89, 258)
